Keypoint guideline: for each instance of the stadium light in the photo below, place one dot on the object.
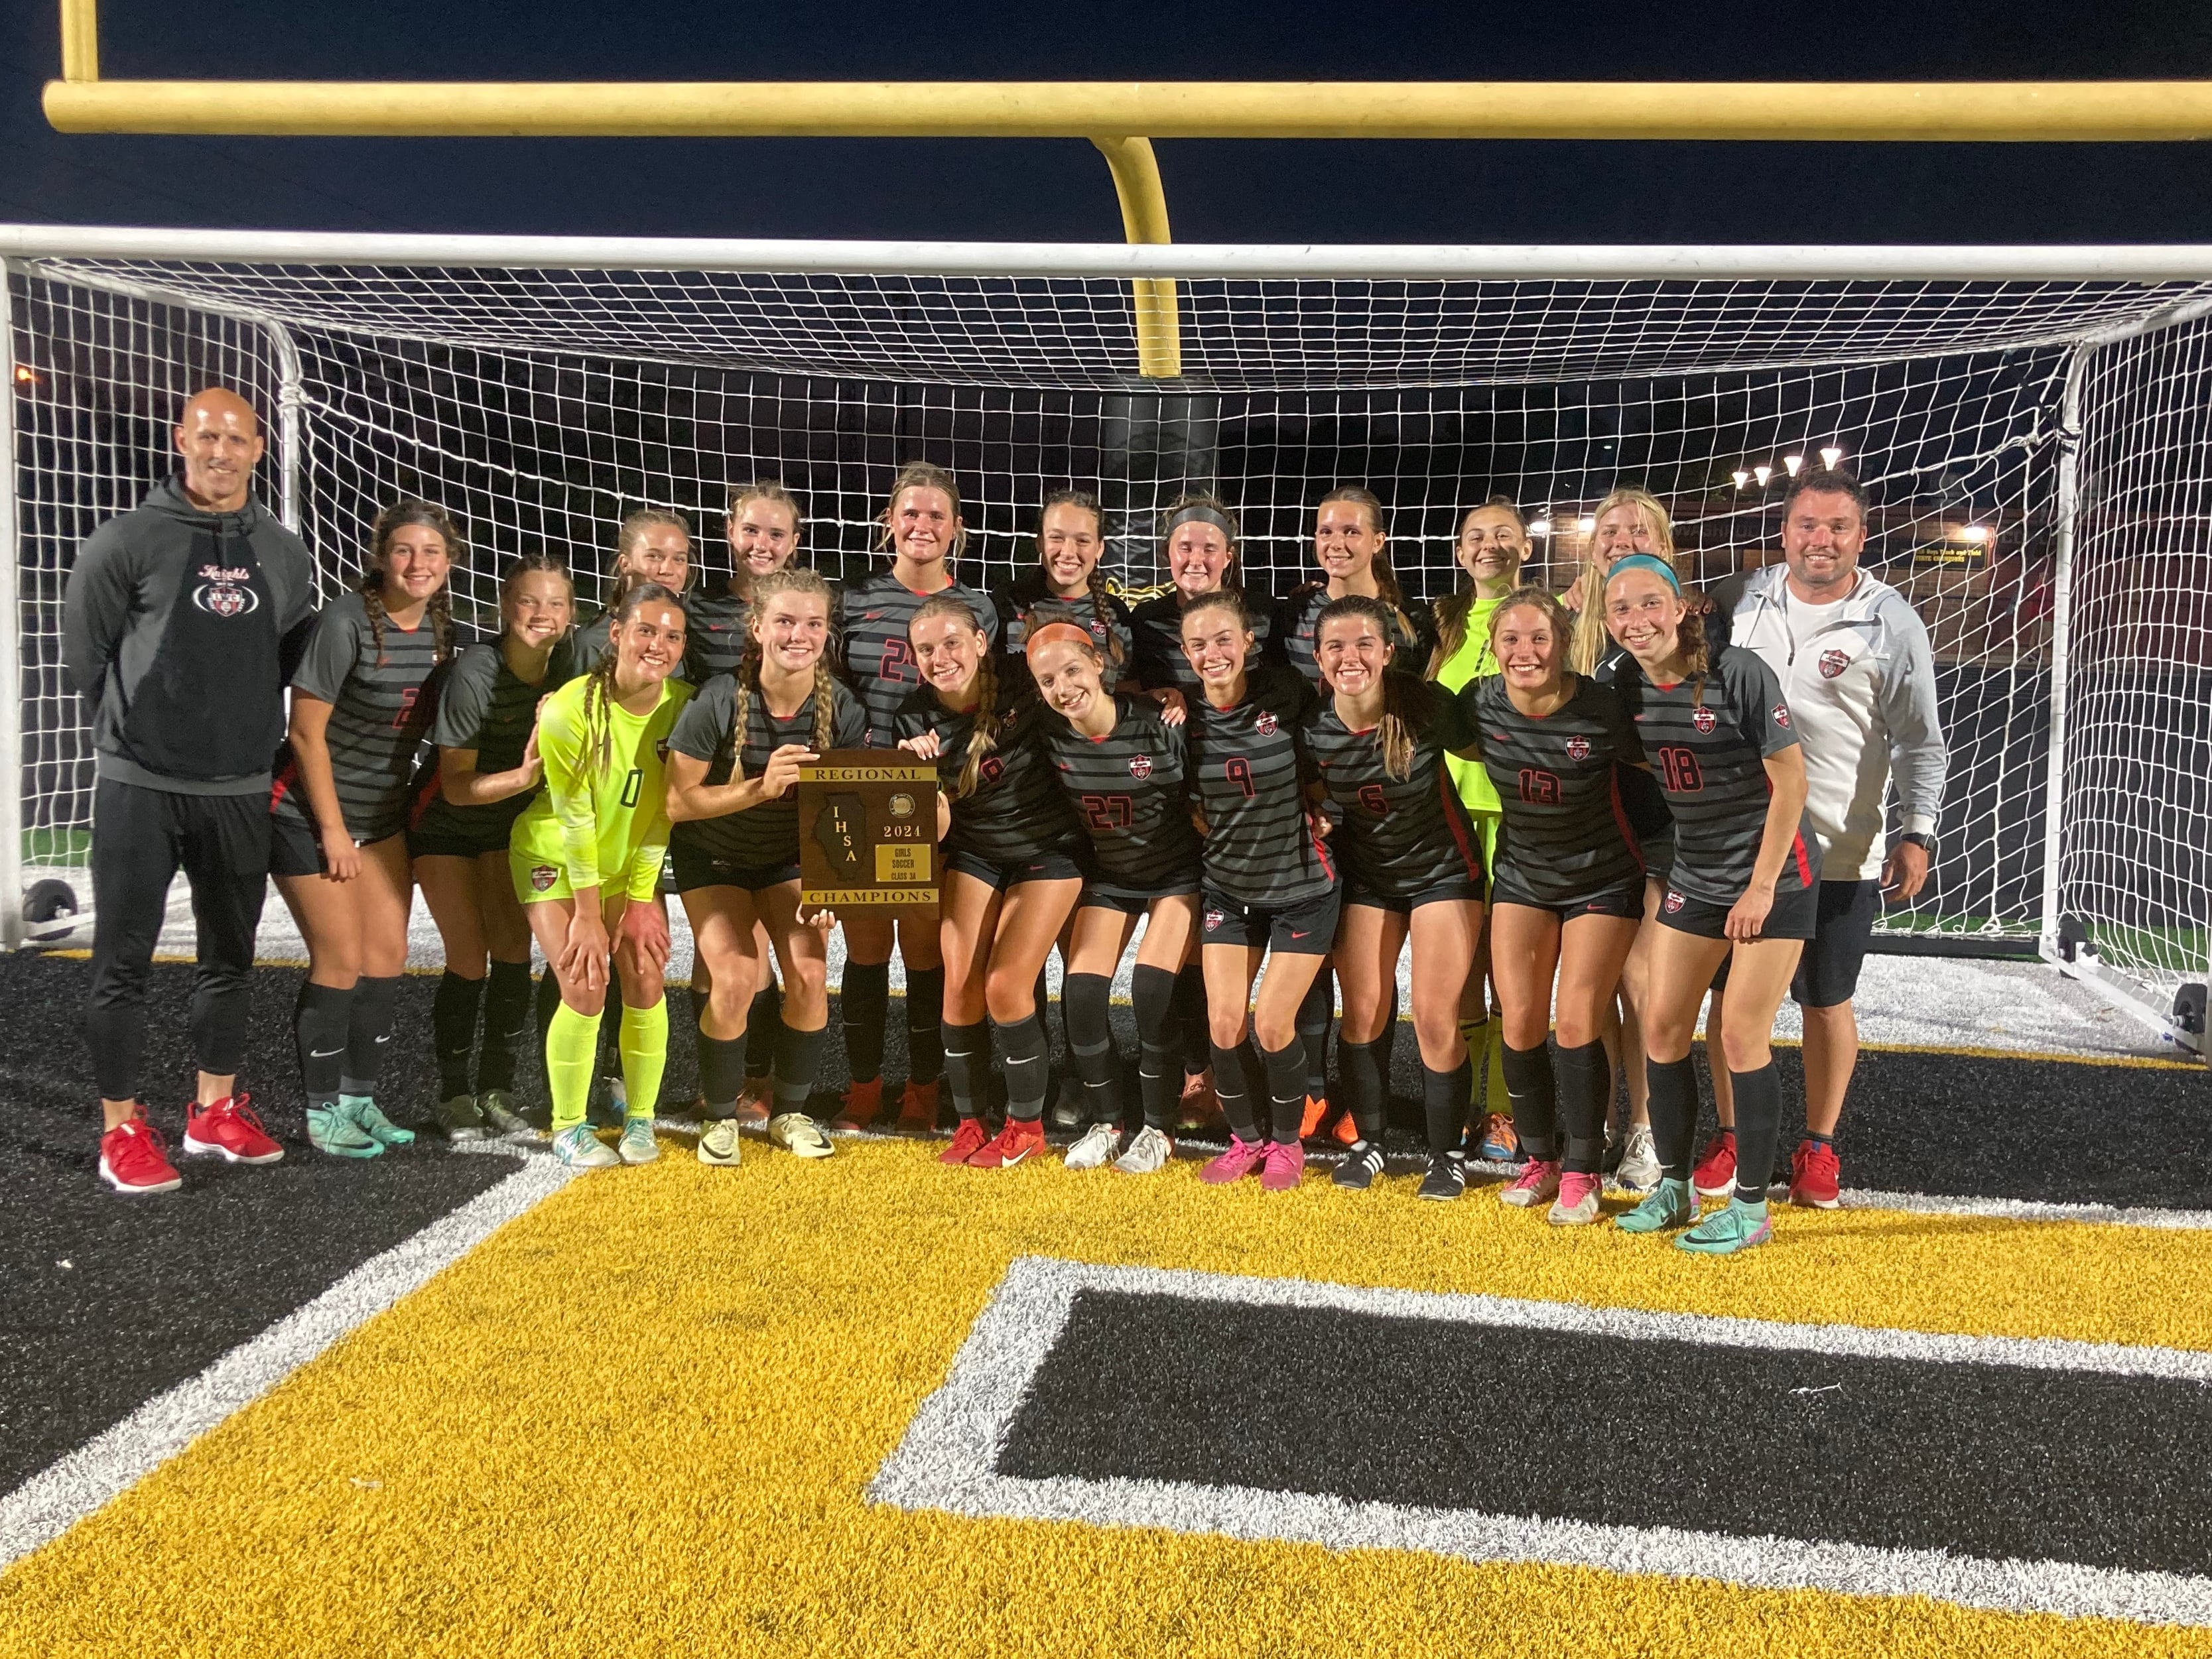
(1793, 464)
(1741, 479)
(1585, 523)
(1762, 474)
(25, 375)
(1974, 533)
(1829, 457)
(1540, 527)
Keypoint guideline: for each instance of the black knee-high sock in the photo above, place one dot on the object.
(1529, 1085)
(1674, 1115)
(454, 1032)
(1027, 1054)
(1359, 1074)
(1287, 1080)
(1758, 1129)
(721, 1073)
(1443, 1103)
(763, 1031)
(865, 1002)
(967, 1050)
(797, 1058)
(368, 1032)
(1584, 1084)
(1315, 1013)
(506, 1013)
(1085, 999)
(1190, 1010)
(318, 1025)
(1235, 1090)
(1152, 991)
(925, 1020)
(548, 999)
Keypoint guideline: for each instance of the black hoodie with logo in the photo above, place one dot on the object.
(178, 627)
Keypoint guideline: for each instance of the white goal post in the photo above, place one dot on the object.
(2035, 425)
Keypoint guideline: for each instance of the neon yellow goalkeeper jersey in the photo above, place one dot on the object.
(594, 828)
(1471, 660)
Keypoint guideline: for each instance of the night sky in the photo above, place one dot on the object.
(1059, 189)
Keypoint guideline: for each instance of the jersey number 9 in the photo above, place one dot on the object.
(1239, 772)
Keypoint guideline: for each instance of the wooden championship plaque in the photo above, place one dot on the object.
(867, 830)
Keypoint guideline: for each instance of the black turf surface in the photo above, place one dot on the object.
(2101, 1471)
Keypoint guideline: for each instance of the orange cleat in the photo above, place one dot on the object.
(1316, 1110)
(971, 1138)
(1345, 1131)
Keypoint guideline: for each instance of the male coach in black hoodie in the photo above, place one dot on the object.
(177, 629)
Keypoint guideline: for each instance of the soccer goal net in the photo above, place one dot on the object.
(2033, 425)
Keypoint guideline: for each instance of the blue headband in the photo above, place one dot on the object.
(1646, 561)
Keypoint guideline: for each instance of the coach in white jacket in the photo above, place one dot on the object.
(1852, 656)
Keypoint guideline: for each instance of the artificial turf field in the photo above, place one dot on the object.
(453, 1404)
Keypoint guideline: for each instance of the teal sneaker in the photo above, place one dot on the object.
(580, 1148)
(1725, 1232)
(331, 1130)
(637, 1145)
(1669, 1204)
(362, 1108)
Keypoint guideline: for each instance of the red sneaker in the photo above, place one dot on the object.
(864, 1103)
(228, 1130)
(918, 1109)
(1714, 1174)
(971, 1138)
(753, 1101)
(132, 1159)
(1019, 1138)
(1815, 1173)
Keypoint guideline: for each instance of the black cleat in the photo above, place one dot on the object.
(1446, 1179)
(1360, 1166)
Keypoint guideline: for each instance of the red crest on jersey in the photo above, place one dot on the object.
(1833, 662)
(1704, 718)
(1214, 918)
(1267, 722)
(541, 878)
(1579, 748)
(1675, 902)
(1782, 715)
(1010, 719)
(1140, 767)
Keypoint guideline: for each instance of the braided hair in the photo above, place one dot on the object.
(1453, 610)
(1100, 592)
(983, 733)
(1394, 734)
(1386, 579)
(599, 680)
(748, 674)
(401, 515)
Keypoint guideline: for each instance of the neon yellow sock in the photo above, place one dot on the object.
(572, 1044)
(644, 1055)
(1495, 1068)
(1476, 1034)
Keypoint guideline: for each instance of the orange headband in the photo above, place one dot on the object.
(1051, 631)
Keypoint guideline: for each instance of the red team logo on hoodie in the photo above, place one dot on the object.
(1832, 663)
(1140, 767)
(1579, 748)
(1266, 723)
(220, 592)
(1704, 718)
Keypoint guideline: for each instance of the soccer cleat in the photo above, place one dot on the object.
(1360, 1166)
(1316, 1110)
(579, 1148)
(499, 1117)
(1714, 1174)
(1284, 1166)
(609, 1105)
(1638, 1169)
(1346, 1132)
(461, 1118)
(132, 1159)
(1499, 1144)
(917, 1112)
(637, 1145)
(1239, 1160)
(230, 1130)
(1445, 1179)
(361, 1110)
(1019, 1138)
(331, 1129)
(1067, 1105)
(1815, 1174)
(798, 1134)
(1577, 1205)
(1097, 1148)
(1669, 1204)
(720, 1146)
(971, 1138)
(1147, 1154)
(863, 1104)
(1537, 1184)
(1199, 1107)
(1739, 1226)
(755, 1100)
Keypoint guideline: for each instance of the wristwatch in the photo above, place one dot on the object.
(1926, 843)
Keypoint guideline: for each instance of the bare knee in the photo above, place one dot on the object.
(1745, 1051)
(1008, 997)
(1274, 1031)
(1224, 1031)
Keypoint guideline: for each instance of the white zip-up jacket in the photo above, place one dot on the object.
(1862, 688)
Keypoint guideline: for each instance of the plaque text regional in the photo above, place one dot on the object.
(867, 830)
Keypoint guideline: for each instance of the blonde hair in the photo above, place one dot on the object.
(629, 533)
(1589, 634)
(748, 674)
(1453, 610)
(924, 475)
(1536, 599)
(764, 489)
(983, 734)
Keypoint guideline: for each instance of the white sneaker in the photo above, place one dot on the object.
(798, 1134)
(581, 1148)
(1639, 1160)
(637, 1145)
(1097, 1148)
(1148, 1152)
(721, 1144)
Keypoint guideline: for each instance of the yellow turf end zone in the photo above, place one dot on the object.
(642, 1418)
